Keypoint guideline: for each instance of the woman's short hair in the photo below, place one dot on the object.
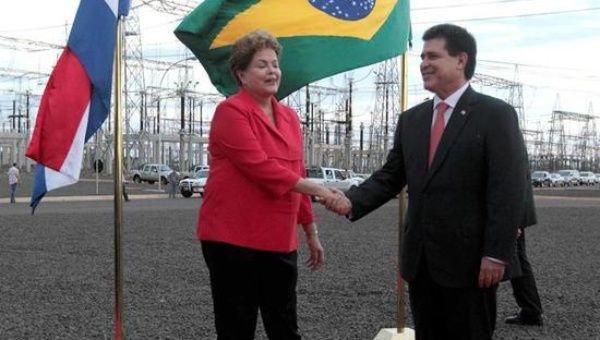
(245, 47)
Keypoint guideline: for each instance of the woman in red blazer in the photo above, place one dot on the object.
(254, 199)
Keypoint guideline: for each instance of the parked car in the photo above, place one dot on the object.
(151, 173)
(571, 177)
(587, 178)
(597, 177)
(332, 178)
(556, 180)
(354, 176)
(541, 179)
(193, 185)
(193, 171)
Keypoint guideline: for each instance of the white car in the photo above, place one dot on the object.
(194, 184)
(571, 177)
(332, 178)
(540, 179)
(556, 180)
(355, 177)
(587, 178)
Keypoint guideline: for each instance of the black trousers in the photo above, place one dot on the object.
(451, 313)
(244, 281)
(125, 196)
(524, 287)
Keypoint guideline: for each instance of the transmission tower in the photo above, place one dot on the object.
(515, 97)
(22, 103)
(385, 113)
(514, 87)
(135, 93)
(595, 140)
(556, 147)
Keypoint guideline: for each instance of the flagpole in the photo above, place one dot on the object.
(401, 332)
(118, 185)
(400, 310)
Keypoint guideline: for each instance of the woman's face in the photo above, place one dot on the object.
(262, 76)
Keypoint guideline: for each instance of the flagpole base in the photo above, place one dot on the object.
(392, 334)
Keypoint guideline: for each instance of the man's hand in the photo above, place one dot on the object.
(490, 273)
(337, 202)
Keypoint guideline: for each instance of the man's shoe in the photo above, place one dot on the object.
(519, 319)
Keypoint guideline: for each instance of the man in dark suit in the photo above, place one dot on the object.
(464, 163)
(523, 285)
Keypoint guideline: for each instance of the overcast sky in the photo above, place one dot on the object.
(555, 42)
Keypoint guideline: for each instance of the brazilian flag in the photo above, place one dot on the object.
(320, 38)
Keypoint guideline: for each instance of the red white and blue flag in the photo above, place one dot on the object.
(76, 100)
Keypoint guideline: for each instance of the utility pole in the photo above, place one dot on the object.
(191, 109)
(27, 95)
(349, 126)
(158, 115)
(361, 147)
(182, 130)
(308, 129)
(14, 115)
(141, 111)
(201, 119)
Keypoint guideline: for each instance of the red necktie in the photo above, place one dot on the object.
(437, 130)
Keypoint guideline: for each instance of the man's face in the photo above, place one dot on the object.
(442, 73)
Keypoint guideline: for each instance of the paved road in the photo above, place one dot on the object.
(56, 273)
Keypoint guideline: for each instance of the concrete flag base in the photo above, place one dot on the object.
(392, 334)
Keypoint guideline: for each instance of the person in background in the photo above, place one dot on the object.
(173, 183)
(463, 160)
(255, 197)
(13, 181)
(125, 182)
(524, 288)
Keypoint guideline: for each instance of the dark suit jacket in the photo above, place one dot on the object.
(530, 216)
(515, 267)
(469, 203)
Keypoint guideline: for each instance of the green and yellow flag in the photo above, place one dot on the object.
(320, 38)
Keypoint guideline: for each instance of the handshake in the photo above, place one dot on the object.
(334, 200)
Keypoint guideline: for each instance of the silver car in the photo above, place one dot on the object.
(556, 180)
(194, 184)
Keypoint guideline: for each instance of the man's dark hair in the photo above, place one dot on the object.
(457, 40)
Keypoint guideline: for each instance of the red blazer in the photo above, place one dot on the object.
(254, 165)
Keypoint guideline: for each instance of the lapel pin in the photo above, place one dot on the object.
(463, 112)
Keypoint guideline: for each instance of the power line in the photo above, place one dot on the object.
(546, 67)
(479, 3)
(590, 75)
(41, 28)
(512, 16)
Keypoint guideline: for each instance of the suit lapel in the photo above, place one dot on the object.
(459, 117)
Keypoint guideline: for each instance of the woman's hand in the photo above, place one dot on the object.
(337, 202)
(316, 257)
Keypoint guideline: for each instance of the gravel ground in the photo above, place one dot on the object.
(56, 273)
